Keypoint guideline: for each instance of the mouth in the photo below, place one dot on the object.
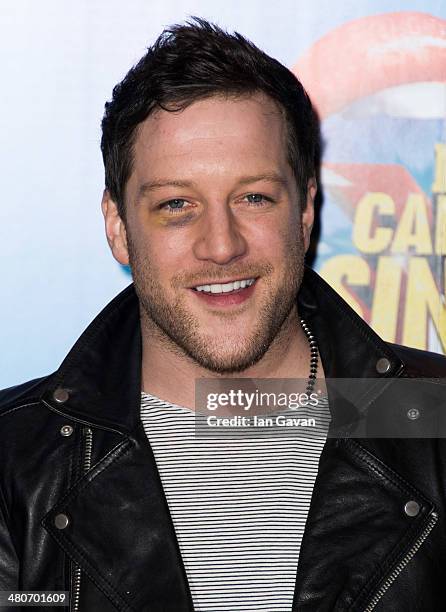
(227, 287)
(229, 293)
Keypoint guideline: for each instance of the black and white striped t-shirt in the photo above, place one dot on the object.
(239, 507)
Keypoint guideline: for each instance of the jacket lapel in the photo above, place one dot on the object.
(120, 532)
(357, 530)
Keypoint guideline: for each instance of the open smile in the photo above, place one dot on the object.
(226, 294)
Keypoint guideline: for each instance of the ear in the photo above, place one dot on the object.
(308, 212)
(114, 229)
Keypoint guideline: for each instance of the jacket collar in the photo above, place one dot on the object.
(102, 372)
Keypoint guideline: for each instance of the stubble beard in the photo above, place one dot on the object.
(180, 331)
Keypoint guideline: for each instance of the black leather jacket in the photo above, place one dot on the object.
(82, 507)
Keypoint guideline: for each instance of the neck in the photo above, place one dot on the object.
(170, 374)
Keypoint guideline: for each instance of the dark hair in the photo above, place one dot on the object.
(191, 62)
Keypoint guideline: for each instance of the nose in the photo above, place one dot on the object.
(219, 238)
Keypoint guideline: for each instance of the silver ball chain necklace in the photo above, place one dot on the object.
(314, 357)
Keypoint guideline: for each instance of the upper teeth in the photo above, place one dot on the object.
(227, 287)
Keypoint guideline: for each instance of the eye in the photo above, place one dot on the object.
(174, 206)
(257, 199)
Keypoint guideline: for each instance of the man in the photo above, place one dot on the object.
(210, 150)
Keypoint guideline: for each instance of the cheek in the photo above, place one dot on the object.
(174, 246)
(276, 238)
(170, 256)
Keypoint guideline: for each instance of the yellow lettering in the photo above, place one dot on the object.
(424, 302)
(349, 269)
(386, 298)
(366, 236)
(439, 184)
(440, 225)
(413, 227)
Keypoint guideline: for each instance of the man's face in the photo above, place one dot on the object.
(212, 205)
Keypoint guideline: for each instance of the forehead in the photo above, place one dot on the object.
(249, 130)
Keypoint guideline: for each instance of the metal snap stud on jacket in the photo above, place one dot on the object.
(413, 414)
(61, 521)
(66, 430)
(412, 508)
(61, 395)
(382, 365)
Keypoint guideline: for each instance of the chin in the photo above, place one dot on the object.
(230, 366)
(227, 362)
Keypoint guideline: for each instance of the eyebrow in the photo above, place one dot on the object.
(269, 177)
